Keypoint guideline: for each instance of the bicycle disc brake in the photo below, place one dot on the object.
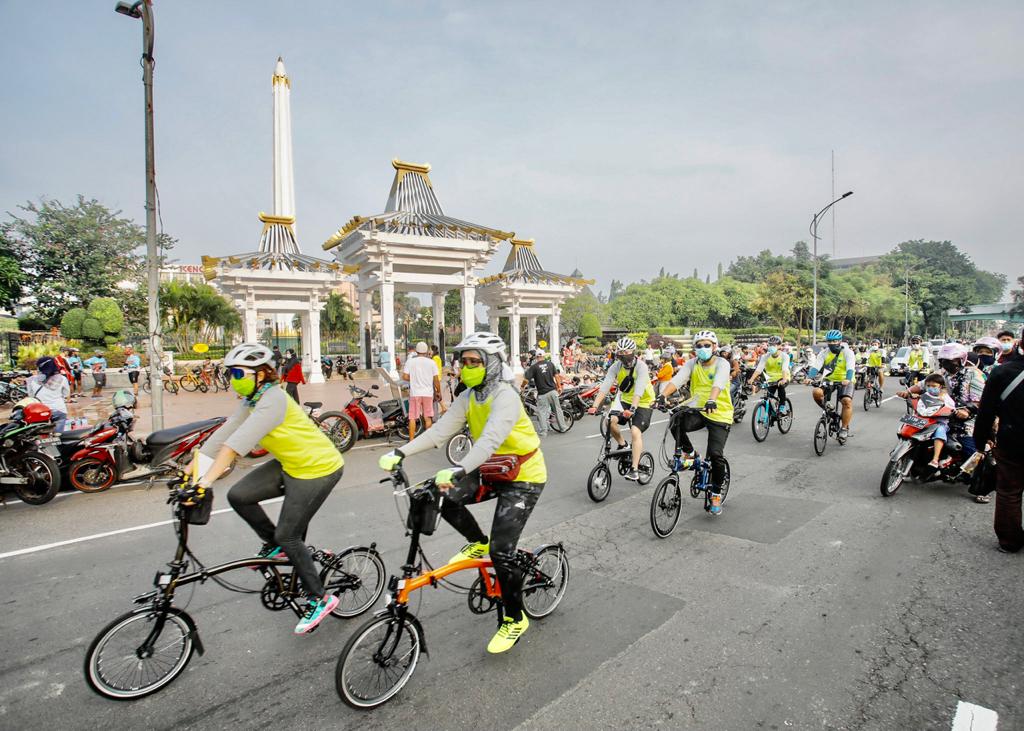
(271, 595)
(479, 602)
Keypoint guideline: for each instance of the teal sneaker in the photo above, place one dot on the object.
(316, 610)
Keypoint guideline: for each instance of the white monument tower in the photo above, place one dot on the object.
(284, 170)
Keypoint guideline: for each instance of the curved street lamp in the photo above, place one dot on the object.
(814, 236)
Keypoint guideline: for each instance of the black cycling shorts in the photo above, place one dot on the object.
(641, 418)
(133, 376)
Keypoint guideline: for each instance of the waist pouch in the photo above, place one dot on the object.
(503, 467)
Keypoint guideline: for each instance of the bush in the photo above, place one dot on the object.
(32, 321)
(108, 313)
(29, 354)
(92, 330)
(71, 322)
(590, 326)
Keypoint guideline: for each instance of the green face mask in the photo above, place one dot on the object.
(244, 386)
(473, 376)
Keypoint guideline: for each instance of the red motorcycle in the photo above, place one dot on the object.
(109, 451)
(910, 457)
(361, 419)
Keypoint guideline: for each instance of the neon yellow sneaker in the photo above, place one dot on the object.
(508, 634)
(471, 550)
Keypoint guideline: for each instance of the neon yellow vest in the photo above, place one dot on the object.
(839, 360)
(915, 361)
(701, 381)
(773, 367)
(875, 359)
(303, 450)
(626, 397)
(522, 439)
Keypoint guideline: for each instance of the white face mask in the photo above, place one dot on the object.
(1006, 346)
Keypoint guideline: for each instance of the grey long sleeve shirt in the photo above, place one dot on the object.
(641, 374)
(506, 407)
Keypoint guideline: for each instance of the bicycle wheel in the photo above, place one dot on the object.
(458, 447)
(724, 488)
(339, 428)
(203, 388)
(545, 584)
(189, 383)
(145, 384)
(868, 394)
(140, 652)
(567, 418)
(645, 468)
(785, 421)
(599, 483)
(760, 421)
(377, 661)
(41, 475)
(821, 435)
(665, 506)
(356, 576)
(604, 426)
(171, 386)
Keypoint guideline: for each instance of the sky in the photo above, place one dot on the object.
(623, 137)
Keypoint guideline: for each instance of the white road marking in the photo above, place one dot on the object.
(119, 531)
(970, 717)
(889, 398)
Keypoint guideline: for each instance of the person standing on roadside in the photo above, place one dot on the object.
(1003, 398)
(435, 355)
(277, 359)
(292, 369)
(424, 385)
(98, 365)
(132, 364)
(544, 375)
(51, 388)
(1007, 351)
(75, 364)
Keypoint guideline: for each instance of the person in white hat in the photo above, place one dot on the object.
(424, 386)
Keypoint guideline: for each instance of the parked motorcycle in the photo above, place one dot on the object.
(28, 455)
(109, 452)
(911, 455)
(386, 418)
(860, 375)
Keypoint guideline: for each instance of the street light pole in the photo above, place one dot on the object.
(141, 9)
(814, 237)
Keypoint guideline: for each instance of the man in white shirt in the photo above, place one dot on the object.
(424, 385)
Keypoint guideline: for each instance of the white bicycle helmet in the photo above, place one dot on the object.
(625, 344)
(485, 342)
(248, 355)
(706, 335)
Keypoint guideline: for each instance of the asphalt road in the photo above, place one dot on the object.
(812, 602)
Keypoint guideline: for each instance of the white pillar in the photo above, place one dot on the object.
(365, 318)
(531, 331)
(555, 346)
(468, 309)
(387, 320)
(437, 303)
(513, 334)
(492, 321)
(250, 320)
(311, 345)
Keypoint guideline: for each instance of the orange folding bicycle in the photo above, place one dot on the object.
(381, 655)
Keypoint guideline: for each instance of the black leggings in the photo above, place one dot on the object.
(302, 498)
(684, 422)
(779, 391)
(515, 503)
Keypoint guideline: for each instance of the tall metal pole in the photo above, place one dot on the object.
(906, 306)
(814, 237)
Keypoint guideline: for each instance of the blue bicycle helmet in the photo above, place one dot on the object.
(833, 335)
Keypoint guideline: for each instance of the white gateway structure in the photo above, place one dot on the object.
(412, 246)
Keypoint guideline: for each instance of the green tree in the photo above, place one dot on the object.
(192, 313)
(776, 299)
(92, 330)
(453, 316)
(71, 323)
(12, 276)
(1017, 295)
(107, 311)
(576, 308)
(31, 321)
(590, 329)
(78, 252)
(337, 319)
(614, 290)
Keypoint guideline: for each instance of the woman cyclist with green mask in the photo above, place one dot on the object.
(305, 468)
(500, 427)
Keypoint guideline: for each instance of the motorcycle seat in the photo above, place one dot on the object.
(312, 404)
(76, 434)
(169, 436)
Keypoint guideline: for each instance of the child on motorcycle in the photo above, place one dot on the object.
(931, 402)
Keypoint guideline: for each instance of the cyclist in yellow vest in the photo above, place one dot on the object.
(305, 468)
(775, 366)
(876, 363)
(707, 377)
(633, 400)
(836, 364)
(499, 426)
(916, 368)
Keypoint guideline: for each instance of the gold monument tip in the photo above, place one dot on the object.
(285, 220)
(410, 166)
(522, 242)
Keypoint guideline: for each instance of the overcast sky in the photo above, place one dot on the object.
(621, 136)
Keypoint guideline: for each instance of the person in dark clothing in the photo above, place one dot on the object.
(277, 359)
(292, 370)
(1003, 398)
(544, 375)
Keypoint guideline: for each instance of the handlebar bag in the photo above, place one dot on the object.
(424, 512)
(200, 514)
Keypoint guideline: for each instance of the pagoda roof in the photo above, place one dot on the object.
(413, 208)
(523, 266)
(269, 261)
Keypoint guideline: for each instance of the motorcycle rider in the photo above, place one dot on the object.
(500, 427)
(986, 348)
